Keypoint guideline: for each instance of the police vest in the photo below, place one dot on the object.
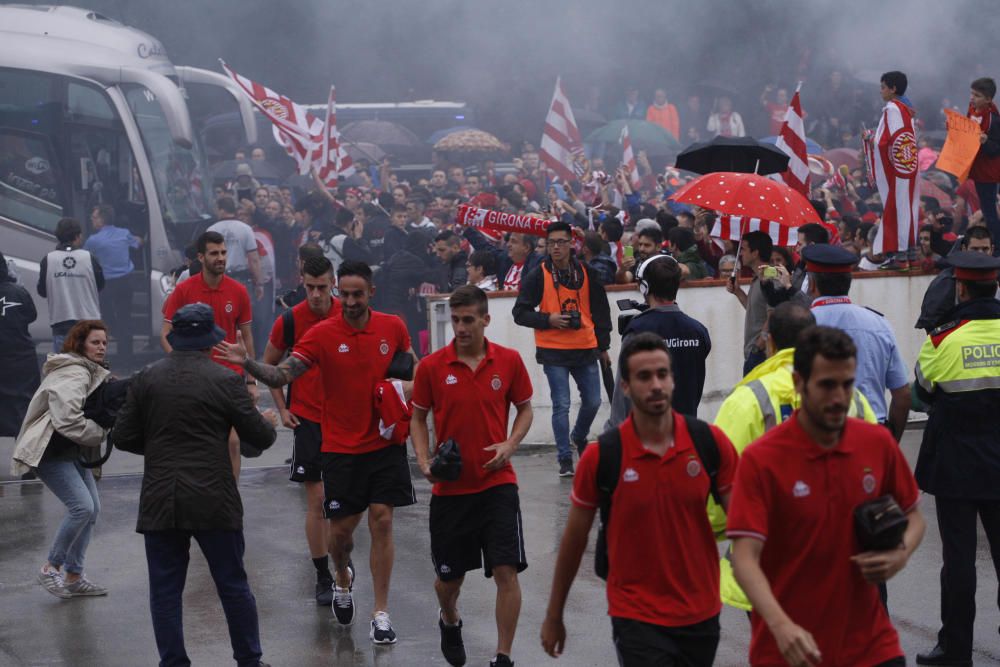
(558, 298)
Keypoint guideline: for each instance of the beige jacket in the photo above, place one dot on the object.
(58, 406)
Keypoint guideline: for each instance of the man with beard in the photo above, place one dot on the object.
(663, 615)
(230, 304)
(361, 470)
(792, 521)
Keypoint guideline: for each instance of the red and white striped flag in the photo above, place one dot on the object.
(792, 140)
(628, 159)
(733, 227)
(895, 161)
(291, 118)
(561, 140)
(331, 159)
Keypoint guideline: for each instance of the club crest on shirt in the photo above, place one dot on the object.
(229, 307)
(868, 481)
(496, 383)
(383, 347)
(630, 475)
(801, 489)
(451, 379)
(693, 467)
(343, 348)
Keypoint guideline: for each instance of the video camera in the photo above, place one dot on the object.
(629, 309)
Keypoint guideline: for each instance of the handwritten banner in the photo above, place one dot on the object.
(961, 146)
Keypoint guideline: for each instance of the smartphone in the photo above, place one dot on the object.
(628, 251)
(769, 272)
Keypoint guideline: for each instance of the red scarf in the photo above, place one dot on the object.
(984, 118)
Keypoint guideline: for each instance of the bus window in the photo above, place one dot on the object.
(29, 186)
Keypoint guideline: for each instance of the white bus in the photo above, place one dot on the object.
(93, 112)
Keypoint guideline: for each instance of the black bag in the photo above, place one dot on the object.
(447, 463)
(101, 406)
(401, 366)
(879, 524)
(609, 466)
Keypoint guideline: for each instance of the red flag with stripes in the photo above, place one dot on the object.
(628, 159)
(733, 227)
(331, 159)
(561, 141)
(792, 140)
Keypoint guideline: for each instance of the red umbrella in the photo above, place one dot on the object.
(849, 156)
(749, 196)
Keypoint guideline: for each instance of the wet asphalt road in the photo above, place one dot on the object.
(39, 629)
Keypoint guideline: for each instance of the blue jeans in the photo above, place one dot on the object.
(167, 556)
(74, 486)
(57, 342)
(987, 193)
(588, 382)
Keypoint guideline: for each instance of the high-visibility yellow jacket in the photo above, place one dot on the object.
(759, 402)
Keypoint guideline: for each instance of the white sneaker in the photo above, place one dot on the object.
(52, 581)
(382, 632)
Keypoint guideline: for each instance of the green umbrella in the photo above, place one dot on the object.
(644, 136)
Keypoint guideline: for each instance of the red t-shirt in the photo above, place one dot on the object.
(799, 499)
(473, 407)
(306, 393)
(350, 362)
(229, 301)
(664, 565)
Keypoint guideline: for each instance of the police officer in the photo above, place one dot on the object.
(763, 399)
(958, 376)
(880, 365)
(659, 277)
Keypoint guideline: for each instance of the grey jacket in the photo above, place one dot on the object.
(178, 415)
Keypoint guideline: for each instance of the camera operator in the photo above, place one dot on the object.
(659, 277)
(572, 329)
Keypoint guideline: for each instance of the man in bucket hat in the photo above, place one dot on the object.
(178, 415)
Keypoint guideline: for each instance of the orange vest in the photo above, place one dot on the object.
(666, 117)
(561, 299)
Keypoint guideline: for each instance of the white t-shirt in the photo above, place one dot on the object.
(239, 241)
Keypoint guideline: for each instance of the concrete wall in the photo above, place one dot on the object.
(897, 296)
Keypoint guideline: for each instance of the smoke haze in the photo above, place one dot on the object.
(503, 56)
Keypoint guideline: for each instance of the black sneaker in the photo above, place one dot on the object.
(566, 468)
(324, 591)
(343, 601)
(452, 645)
(382, 632)
(501, 661)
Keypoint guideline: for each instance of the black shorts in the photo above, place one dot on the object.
(352, 482)
(307, 463)
(638, 644)
(477, 530)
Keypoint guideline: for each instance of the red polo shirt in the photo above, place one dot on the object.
(473, 407)
(664, 565)
(350, 362)
(229, 301)
(799, 499)
(306, 393)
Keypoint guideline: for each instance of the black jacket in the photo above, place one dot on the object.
(938, 300)
(532, 288)
(178, 414)
(393, 242)
(19, 378)
(454, 274)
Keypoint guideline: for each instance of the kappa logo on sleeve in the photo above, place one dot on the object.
(986, 355)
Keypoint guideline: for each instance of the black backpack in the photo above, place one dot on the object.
(609, 466)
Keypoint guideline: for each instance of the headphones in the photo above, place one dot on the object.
(641, 272)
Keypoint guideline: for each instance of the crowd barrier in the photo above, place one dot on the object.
(896, 295)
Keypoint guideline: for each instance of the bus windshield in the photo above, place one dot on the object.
(180, 173)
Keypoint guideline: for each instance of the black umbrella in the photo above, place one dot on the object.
(608, 375)
(740, 154)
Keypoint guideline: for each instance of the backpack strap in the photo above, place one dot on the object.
(609, 465)
(708, 452)
(288, 329)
